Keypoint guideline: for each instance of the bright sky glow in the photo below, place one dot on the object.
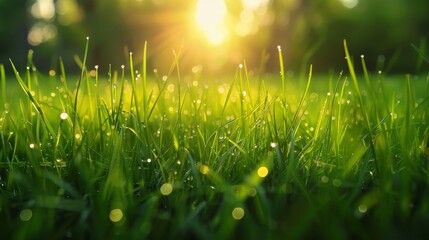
(210, 16)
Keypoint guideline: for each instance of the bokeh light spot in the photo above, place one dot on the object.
(116, 215)
(362, 208)
(44, 9)
(166, 189)
(41, 32)
(204, 169)
(25, 215)
(238, 213)
(64, 116)
(262, 172)
(350, 3)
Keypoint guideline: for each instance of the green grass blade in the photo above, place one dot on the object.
(33, 101)
(282, 69)
(3, 84)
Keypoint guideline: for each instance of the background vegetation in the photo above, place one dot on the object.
(309, 31)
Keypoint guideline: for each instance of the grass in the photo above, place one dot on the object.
(130, 155)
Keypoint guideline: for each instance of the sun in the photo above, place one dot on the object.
(210, 17)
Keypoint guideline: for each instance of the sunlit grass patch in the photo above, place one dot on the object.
(131, 154)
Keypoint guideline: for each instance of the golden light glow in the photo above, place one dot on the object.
(210, 17)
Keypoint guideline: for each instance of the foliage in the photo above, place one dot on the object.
(132, 155)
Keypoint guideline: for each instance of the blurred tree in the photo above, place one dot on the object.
(14, 25)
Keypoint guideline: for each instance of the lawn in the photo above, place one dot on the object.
(132, 154)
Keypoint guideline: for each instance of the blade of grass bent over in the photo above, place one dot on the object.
(33, 101)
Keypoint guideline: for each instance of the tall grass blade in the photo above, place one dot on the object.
(34, 102)
(75, 114)
(282, 70)
(3, 84)
(144, 72)
(360, 98)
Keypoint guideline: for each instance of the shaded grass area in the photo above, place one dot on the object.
(125, 155)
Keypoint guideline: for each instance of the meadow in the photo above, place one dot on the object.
(132, 154)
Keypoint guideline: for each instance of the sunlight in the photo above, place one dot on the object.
(210, 16)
